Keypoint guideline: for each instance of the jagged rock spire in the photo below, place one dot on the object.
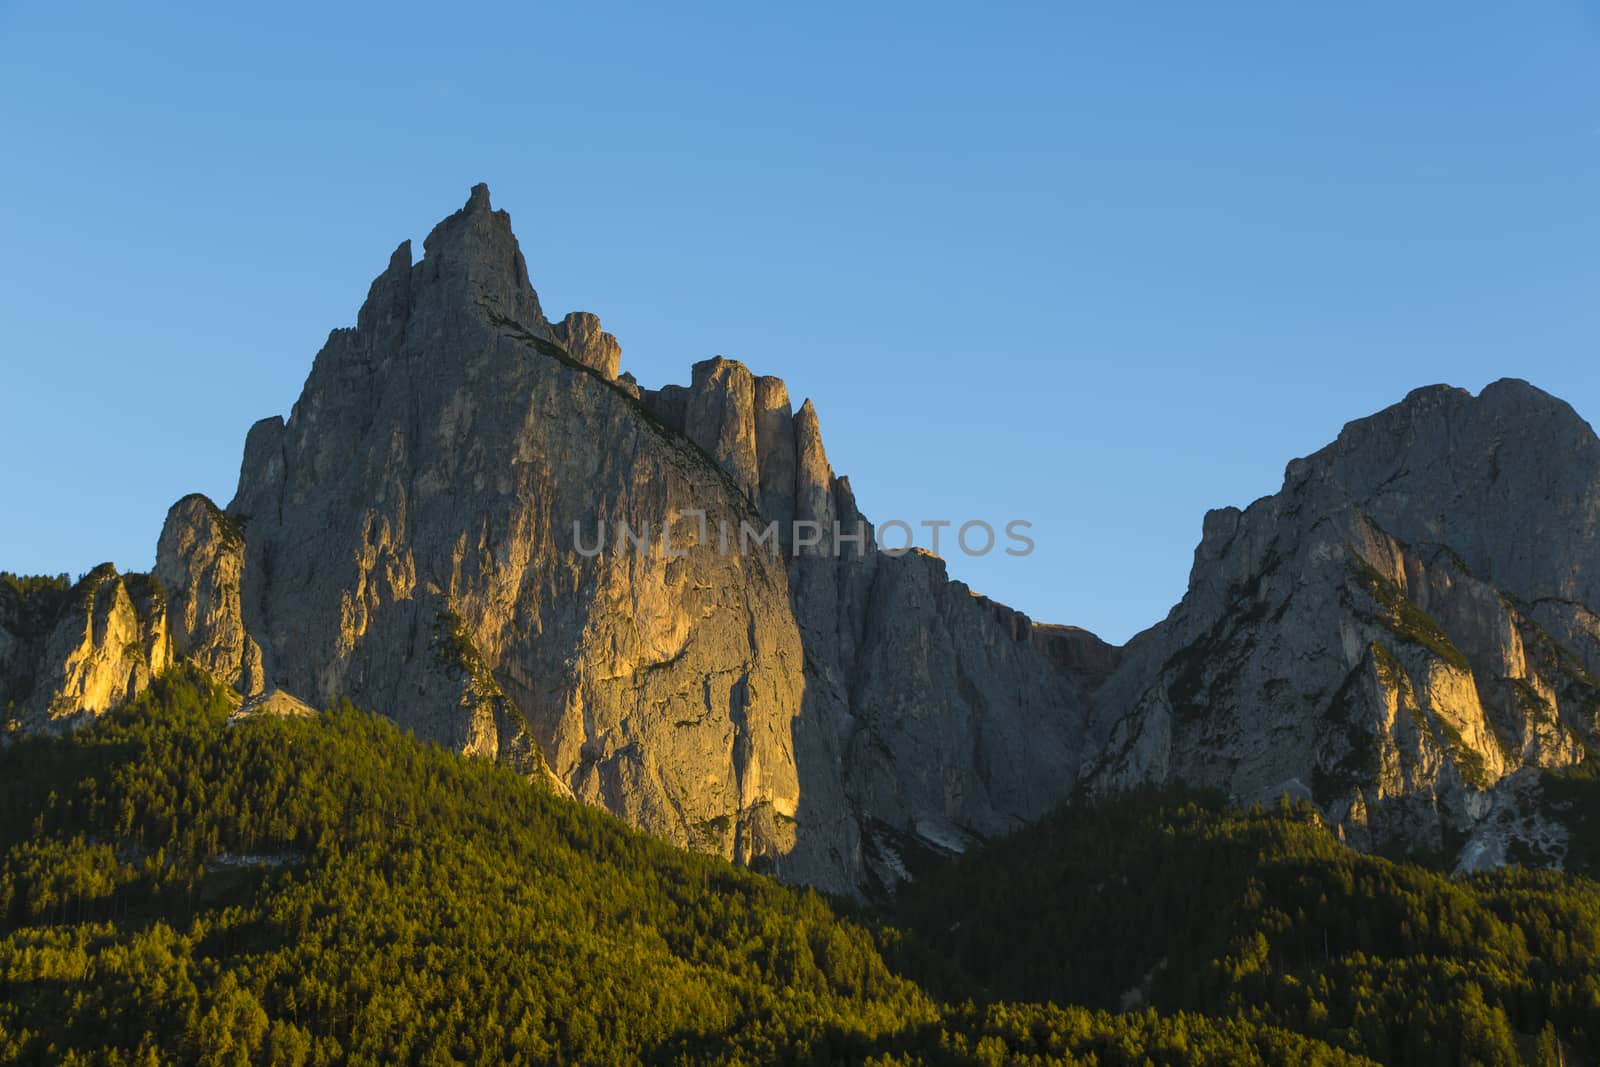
(478, 260)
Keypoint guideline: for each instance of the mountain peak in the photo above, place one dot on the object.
(1435, 560)
(476, 249)
(1518, 398)
(400, 258)
(1476, 473)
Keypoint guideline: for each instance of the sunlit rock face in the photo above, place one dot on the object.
(201, 561)
(1402, 627)
(409, 537)
(103, 643)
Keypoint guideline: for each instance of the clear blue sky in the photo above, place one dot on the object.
(1098, 266)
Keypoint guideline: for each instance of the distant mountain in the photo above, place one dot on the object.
(1405, 634)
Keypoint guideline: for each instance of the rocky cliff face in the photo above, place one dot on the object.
(420, 534)
(1397, 633)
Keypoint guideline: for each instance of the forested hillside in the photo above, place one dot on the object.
(177, 886)
(1167, 898)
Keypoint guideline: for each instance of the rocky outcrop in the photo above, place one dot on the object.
(69, 655)
(276, 703)
(719, 416)
(580, 334)
(1393, 634)
(200, 558)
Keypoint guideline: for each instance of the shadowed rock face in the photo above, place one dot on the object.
(1402, 627)
(407, 538)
